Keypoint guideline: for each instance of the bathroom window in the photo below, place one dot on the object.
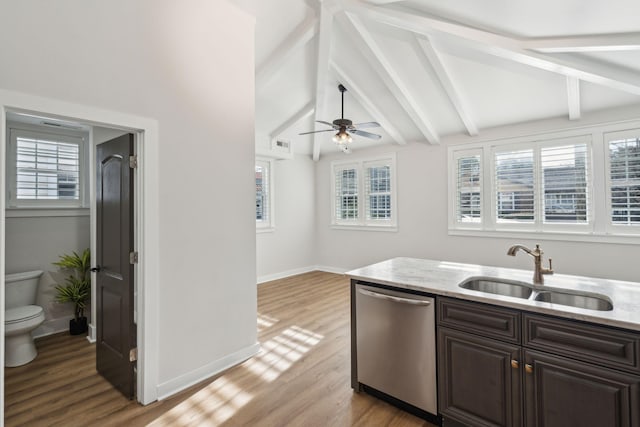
(45, 170)
(364, 194)
(264, 195)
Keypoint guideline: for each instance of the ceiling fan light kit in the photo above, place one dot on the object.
(345, 128)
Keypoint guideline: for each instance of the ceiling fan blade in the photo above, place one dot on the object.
(367, 125)
(316, 131)
(326, 123)
(365, 134)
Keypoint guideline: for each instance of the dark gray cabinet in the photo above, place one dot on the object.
(561, 392)
(504, 367)
(480, 384)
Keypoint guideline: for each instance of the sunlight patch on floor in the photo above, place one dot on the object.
(212, 405)
(280, 352)
(265, 322)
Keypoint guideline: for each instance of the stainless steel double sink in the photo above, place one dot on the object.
(512, 288)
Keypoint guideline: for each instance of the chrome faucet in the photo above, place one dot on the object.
(539, 270)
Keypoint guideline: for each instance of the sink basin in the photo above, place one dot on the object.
(497, 286)
(590, 302)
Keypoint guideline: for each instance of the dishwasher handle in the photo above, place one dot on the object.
(394, 299)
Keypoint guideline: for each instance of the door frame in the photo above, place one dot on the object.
(146, 219)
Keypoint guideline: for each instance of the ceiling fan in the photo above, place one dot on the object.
(345, 127)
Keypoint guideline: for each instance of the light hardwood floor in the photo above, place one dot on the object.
(300, 378)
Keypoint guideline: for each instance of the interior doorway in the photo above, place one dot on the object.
(145, 217)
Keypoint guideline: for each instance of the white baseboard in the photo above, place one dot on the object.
(53, 326)
(336, 270)
(284, 274)
(294, 272)
(91, 336)
(182, 382)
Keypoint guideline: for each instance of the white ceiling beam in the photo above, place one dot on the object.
(573, 98)
(304, 112)
(369, 106)
(322, 69)
(392, 79)
(447, 83)
(503, 47)
(298, 38)
(596, 43)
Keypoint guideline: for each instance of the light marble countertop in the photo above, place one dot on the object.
(443, 277)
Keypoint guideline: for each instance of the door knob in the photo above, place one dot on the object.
(95, 269)
(515, 364)
(528, 368)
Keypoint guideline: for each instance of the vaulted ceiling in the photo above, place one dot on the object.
(425, 69)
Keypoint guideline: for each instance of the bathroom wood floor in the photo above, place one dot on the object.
(300, 378)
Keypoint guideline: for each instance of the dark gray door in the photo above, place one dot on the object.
(116, 332)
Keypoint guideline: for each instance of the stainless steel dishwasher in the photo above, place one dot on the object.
(396, 346)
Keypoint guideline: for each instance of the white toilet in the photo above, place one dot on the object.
(21, 316)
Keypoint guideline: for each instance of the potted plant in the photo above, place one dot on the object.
(77, 287)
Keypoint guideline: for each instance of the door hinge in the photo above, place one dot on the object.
(133, 162)
(133, 354)
(133, 257)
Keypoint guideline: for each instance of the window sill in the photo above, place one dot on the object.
(361, 227)
(629, 239)
(45, 212)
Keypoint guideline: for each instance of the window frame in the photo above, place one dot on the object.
(40, 205)
(611, 227)
(362, 222)
(454, 223)
(538, 224)
(598, 186)
(268, 224)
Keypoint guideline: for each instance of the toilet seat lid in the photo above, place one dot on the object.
(20, 314)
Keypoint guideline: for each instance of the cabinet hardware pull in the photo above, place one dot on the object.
(515, 364)
(528, 368)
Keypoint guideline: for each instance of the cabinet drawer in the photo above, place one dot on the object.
(591, 343)
(494, 322)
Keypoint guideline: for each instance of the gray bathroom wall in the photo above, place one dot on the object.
(34, 243)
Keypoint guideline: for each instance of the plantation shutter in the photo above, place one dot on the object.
(468, 188)
(47, 169)
(514, 186)
(564, 183)
(624, 161)
(377, 189)
(346, 193)
(263, 215)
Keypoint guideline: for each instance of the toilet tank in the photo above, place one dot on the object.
(21, 288)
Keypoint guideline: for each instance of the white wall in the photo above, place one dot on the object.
(422, 222)
(172, 62)
(290, 247)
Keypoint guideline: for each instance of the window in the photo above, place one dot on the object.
(468, 188)
(346, 184)
(363, 193)
(45, 170)
(530, 186)
(623, 149)
(264, 205)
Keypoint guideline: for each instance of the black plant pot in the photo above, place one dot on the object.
(78, 327)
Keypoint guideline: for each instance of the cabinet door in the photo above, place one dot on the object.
(479, 379)
(561, 392)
